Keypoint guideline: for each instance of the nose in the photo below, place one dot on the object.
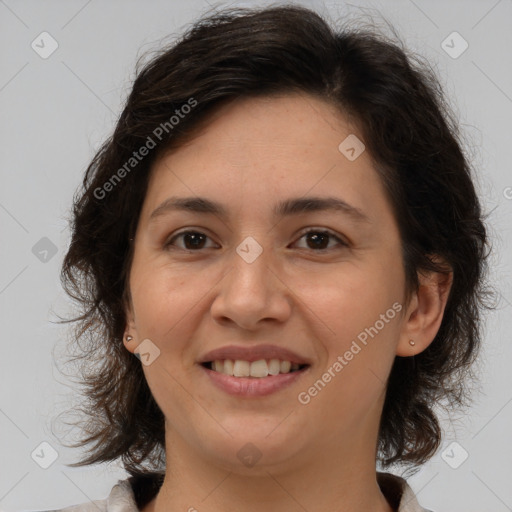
(252, 293)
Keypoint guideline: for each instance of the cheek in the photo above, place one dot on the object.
(360, 311)
(353, 298)
(363, 324)
(162, 297)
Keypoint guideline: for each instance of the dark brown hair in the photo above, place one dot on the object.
(406, 124)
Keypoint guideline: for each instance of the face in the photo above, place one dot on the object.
(321, 287)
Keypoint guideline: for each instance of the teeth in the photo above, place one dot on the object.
(274, 367)
(285, 366)
(259, 369)
(242, 369)
(228, 367)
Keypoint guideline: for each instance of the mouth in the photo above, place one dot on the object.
(259, 369)
(253, 371)
(252, 379)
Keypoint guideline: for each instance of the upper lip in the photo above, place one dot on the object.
(253, 353)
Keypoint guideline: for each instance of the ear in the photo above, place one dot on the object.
(130, 340)
(425, 312)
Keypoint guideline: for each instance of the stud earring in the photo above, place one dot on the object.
(129, 338)
(412, 343)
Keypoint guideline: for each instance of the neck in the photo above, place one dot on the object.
(313, 483)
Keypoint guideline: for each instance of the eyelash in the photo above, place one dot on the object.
(170, 245)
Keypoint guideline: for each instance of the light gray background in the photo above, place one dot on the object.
(54, 112)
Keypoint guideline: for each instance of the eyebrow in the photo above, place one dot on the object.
(288, 207)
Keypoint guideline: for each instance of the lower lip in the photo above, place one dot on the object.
(253, 386)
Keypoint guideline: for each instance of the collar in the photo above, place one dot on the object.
(135, 492)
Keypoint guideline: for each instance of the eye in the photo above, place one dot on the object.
(319, 239)
(193, 240)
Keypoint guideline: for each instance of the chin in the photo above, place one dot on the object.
(253, 447)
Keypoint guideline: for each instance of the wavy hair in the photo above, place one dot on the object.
(398, 104)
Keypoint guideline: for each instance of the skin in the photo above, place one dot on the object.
(252, 154)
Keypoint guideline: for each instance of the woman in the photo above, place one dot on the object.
(280, 258)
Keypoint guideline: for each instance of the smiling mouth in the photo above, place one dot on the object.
(257, 369)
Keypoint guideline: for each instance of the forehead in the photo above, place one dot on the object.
(268, 147)
(281, 123)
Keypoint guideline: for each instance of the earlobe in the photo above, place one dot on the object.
(425, 313)
(129, 342)
(130, 332)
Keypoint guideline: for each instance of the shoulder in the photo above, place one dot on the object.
(128, 495)
(399, 493)
(131, 494)
(121, 498)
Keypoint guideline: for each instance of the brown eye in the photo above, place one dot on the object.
(318, 240)
(192, 240)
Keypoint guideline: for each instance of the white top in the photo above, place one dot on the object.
(122, 497)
